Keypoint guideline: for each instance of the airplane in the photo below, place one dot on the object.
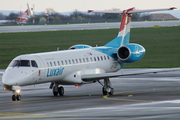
(21, 19)
(24, 16)
(80, 64)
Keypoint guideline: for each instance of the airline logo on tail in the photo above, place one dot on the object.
(23, 16)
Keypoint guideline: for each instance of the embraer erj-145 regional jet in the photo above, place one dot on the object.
(80, 64)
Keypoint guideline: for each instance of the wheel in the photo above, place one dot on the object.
(13, 97)
(61, 91)
(111, 92)
(55, 93)
(18, 97)
(104, 91)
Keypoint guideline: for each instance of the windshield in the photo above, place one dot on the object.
(14, 63)
(20, 63)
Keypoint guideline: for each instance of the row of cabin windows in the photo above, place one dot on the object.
(76, 61)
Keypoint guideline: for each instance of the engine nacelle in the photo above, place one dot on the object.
(130, 52)
(80, 46)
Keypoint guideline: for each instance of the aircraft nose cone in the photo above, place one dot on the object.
(5, 79)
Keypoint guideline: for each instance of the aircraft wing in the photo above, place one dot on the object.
(93, 77)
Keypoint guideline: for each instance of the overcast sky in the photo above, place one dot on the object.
(84, 5)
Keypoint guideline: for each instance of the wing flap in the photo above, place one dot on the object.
(93, 77)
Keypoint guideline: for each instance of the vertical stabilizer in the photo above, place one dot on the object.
(23, 16)
(124, 31)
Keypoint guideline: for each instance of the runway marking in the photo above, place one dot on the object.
(107, 97)
(11, 114)
(37, 116)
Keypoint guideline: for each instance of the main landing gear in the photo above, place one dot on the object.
(57, 90)
(107, 87)
(16, 95)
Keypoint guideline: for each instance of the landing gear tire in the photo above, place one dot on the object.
(104, 91)
(13, 97)
(112, 91)
(55, 93)
(18, 97)
(61, 91)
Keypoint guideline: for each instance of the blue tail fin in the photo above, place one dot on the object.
(124, 31)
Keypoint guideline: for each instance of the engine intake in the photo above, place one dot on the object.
(130, 53)
(123, 53)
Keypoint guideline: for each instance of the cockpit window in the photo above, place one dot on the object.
(20, 63)
(24, 63)
(33, 63)
(14, 63)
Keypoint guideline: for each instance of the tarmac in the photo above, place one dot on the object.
(138, 97)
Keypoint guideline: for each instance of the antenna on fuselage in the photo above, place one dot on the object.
(96, 45)
(58, 49)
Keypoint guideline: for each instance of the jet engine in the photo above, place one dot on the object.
(130, 53)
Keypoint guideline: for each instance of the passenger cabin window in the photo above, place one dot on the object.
(54, 63)
(101, 58)
(76, 61)
(108, 57)
(80, 60)
(98, 58)
(58, 63)
(66, 62)
(62, 62)
(83, 60)
(87, 59)
(69, 61)
(72, 61)
(91, 59)
(104, 57)
(34, 64)
(51, 64)
(94, 58)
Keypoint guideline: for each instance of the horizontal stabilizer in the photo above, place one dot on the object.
(131, 10)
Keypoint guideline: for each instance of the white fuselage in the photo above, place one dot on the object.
(63, 67)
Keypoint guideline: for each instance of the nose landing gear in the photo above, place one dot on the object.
(16, 95)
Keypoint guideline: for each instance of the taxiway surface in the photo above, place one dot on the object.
(35, 28)
(148, 96)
